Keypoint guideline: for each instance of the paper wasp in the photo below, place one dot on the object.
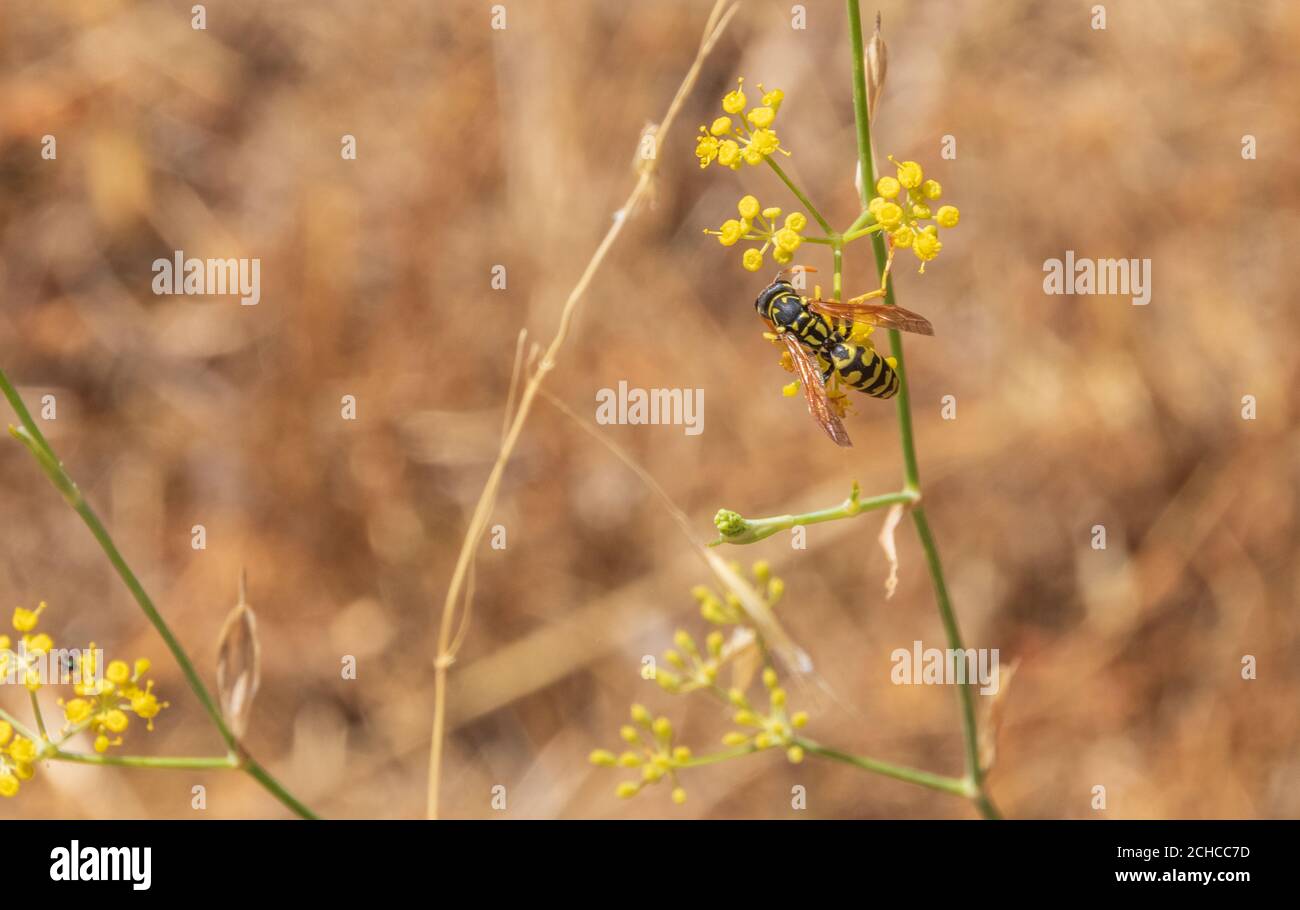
(817, 334)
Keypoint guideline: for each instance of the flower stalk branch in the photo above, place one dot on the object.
(735, 529)
(29, 434)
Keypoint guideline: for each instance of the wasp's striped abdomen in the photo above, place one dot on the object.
(864, 369)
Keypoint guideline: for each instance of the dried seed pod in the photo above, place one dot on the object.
(239, 662)
(877, 66)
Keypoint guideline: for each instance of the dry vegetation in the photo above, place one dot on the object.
(479, 147)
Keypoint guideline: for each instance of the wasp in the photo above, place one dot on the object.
(817, 333)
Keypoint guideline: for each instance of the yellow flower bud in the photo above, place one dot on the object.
(629, 734)
(118, 672)
(628, 789)
(731, 232)
(782, 256)
(8, 785)
(889, 214)
(640, 714)
(764, 141)
(23, 750)
(713, 643)
(720, 127)
(761, 117)
(887, 187)
(931, 189)
(902, 237)
(947, 216)
(920, 212)
(771, 213)
(763, 741)
(115, 721)
(729, 153)
(774, 98)
(602, 757)
(910, 174)
(746, 718)
(663, 728)
(927, 246)
(706, 149)
(6, 731)
(629, 760)
(752, 260)
(769, 677)
(734, 102)
(735, 739)
(679, 795)
(799, 719)
(795, 754)
(775, 590)
(787, 240)
(796, 221)
(681, 754)
(748, 207)
(778, 697)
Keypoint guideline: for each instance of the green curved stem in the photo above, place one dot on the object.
(145, 761)
(943, 783)
(807, 203)
(30, 436)
(911, 470)
(752, 530)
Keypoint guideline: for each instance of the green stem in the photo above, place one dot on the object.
(911, 469)
(145, 761)
(953, 785)
(18, 725)
(40, 719)
(755, 529)
(812, 209)
(697, 761)
(30, 435)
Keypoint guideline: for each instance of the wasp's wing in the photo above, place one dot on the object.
(815, 391)
(878, 314)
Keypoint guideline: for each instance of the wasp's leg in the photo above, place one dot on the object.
(884, 281)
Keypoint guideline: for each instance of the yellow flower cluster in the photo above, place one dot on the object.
(17, 759)
(651, 739)
(104, 704)
(695, 669)
(657, 757)
(24, 664)
(766, 731)
(758, 223)
(735, 139)
(909, 218)
(727, 610)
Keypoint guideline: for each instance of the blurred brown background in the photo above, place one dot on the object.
(479, 147)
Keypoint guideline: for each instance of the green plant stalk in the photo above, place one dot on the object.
(757, 529)
(30, 435)
(866, 160)
(144, 761)
(831, 233)
(18, 725)
(40, 719)
(953, 785)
